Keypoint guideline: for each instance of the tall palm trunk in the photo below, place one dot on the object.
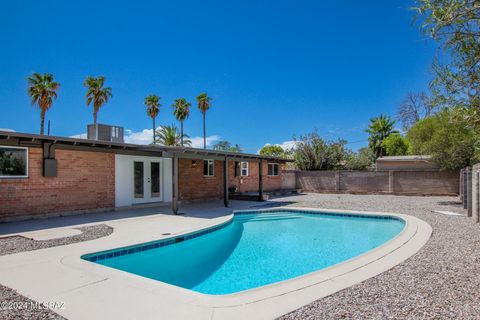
(95, 110)
(204, 133)
(42, 121)
(181, 133)
(153, 130)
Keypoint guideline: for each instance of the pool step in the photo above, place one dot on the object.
(268, 217)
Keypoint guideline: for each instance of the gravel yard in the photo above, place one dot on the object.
(442, 281)
(17, 244)
(16, 306)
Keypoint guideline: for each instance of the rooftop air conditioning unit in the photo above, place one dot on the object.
(105, 132)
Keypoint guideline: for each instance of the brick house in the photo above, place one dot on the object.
(45, 175)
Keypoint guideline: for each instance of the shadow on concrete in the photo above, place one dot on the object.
(203, 210)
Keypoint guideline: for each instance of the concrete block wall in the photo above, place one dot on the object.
(475, 196)
(392, 182)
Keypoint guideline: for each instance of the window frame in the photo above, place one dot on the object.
(26, 163)
(247, 169)
(273, 169)
(209, 174)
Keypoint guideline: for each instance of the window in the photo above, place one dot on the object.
(13, 162)
(244, 169)
(273, 169)
(208, 168)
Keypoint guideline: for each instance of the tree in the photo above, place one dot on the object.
(414, 107)
(395, 145)
(379, 128)
(181, 112)
(153, 107)
(204, 103)
(43, 91)
(97, 94)
(272, 150)
(455, 24)
(361, 160)
(448, 137)
(314, 153)
(227, 146)
(170, 136)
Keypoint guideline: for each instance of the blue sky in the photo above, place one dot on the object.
(273, 68)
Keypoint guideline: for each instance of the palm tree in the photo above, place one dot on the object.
(181, 112)
(97, 93)
(153, 107)
(43, 90)
(379, 128)
(204, 104)
(169, 136)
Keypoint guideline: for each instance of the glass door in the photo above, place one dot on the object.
(155, 193)
(147, 181)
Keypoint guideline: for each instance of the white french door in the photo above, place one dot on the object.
(147, 180)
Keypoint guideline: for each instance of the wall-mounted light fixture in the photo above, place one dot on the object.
(194, 163)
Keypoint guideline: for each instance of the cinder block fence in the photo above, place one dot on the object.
(401, 182)
(475, 195)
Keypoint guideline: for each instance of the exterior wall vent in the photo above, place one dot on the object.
(105, 132)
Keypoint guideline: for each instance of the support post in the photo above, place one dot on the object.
(225, 182)
(391, 182)
(260, 180)
(175, 184)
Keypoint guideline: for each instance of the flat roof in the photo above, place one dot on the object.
(166, 151)
(405, 158)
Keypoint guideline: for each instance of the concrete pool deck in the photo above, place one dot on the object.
(93, 291)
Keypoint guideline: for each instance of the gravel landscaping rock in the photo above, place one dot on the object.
(17, 244)
(15, 306)
(441, 281)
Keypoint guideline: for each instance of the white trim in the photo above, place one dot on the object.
(26, 163)
(273, 171)
(209, 174)
(247, 168)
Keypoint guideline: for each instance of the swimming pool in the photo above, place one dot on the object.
(254, 249)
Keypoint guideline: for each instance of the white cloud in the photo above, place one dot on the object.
(79, 136)
(286, 145)
(146, 137)
(6, 129)
(197, 142)
(142, 137)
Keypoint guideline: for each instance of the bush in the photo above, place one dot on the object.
(361, 160)
(314, 153)
(449, 137)
(395, 145)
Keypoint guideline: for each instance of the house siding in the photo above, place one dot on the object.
(85, 181)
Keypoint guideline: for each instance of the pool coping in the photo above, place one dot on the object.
(111, 286)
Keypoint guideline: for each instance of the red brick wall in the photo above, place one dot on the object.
(85, 181)
(193, 185)
(250, 182)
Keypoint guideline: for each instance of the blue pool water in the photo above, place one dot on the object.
(258, 249)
